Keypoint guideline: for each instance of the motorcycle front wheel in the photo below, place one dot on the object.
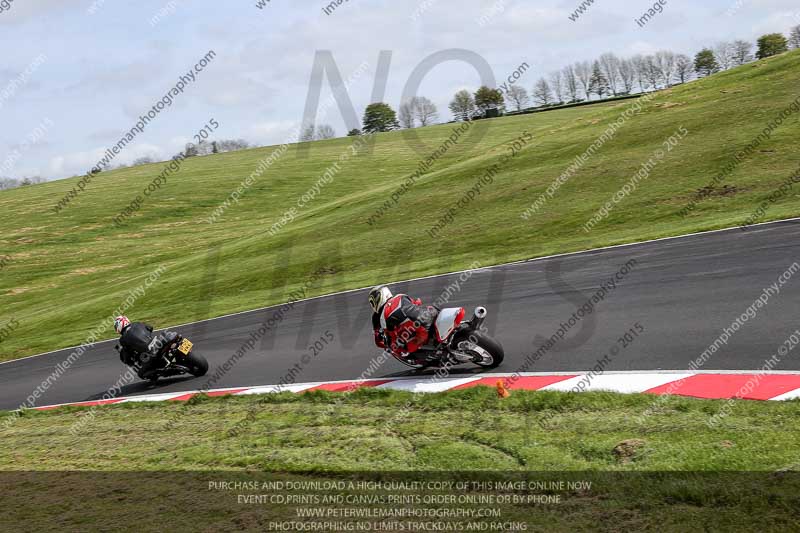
(197, 364)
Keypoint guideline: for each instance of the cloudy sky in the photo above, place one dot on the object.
(106, 62)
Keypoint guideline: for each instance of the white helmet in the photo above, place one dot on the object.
(120, 323)
(378, 296)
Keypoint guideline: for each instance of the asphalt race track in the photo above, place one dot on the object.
(684, 292)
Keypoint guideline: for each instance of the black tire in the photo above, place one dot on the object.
(488, 344)
(197, 364)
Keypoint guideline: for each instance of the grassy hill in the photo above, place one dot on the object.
(67, 271)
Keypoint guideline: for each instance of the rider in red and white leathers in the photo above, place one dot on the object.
(401, 324)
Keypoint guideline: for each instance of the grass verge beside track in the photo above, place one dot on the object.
(743, 479)
(372, 430)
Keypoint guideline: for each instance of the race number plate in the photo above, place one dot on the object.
(185, 347)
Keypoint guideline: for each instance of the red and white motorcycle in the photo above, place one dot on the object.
(457, 342)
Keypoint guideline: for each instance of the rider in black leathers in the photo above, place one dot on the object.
(138, 346)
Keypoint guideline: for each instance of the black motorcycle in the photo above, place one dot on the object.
(176, 357)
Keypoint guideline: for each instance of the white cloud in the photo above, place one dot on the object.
(268, 133)
(22, 11)
(78, 163)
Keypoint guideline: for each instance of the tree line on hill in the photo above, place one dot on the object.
(607, 76)
(611, 76)
(13, 183)
(194, 150)
(379, 117)
(190, 150)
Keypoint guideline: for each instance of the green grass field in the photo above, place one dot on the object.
(379, 430)
(68, 271)
(163, 455)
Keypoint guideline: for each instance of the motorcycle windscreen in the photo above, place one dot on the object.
(447, 321)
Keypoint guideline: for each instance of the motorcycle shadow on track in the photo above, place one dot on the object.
(432, 371)
(140, 387)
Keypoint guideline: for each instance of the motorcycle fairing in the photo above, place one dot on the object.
(447, 321)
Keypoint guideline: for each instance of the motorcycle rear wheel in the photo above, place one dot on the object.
(487, 351)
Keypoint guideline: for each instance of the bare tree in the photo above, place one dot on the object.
(684, 68)
(609, 65)
(742, 52)
(557, 84)
(190, 150)
(232, 145)
(583, 71)
(307, 133)
(142, 161)
(31, 180)
(517, 96)
(665, 63)
(424, 110)
(627, 75)
(325, 131)
(11, 183)
(651, 72)
(8, 183)
(794, 38)
(542, 93)
(203, 148)
(463, 105)
(599, 82)
(571, 83)
(209, 147)
(724, 54)
(640, 70)
(406, 114)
